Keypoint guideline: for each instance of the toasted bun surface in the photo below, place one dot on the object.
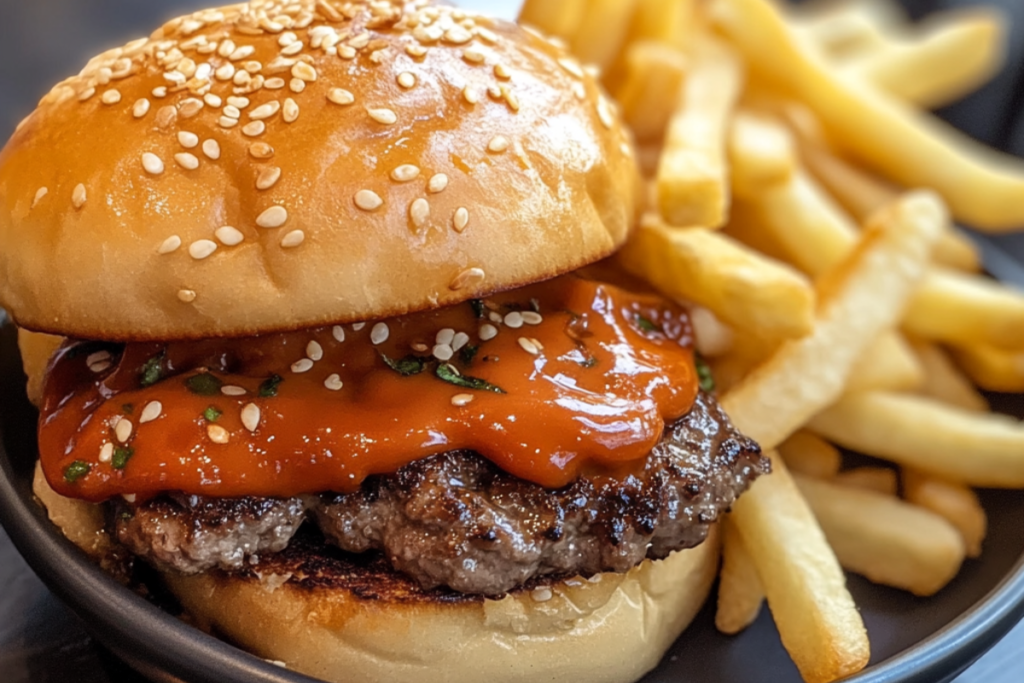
(397, 158)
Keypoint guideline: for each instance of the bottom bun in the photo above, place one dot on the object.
(341, 617)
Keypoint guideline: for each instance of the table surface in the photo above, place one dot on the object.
(40, 639)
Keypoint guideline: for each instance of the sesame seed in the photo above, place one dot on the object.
(297, 85)
(604, 112)
(301, 366)
(437, 183)
(151, 412)
(405, 173)
(458, 35)
(445, 337)
(494, 92)
(368, 200)
(268, 177)
(334, 383)
(212, 100)
(129, 497)
(514, 320)
(341, 96)
(186, 296)
(160, 92)
(201, 249)
(380, 333)
(443, 352)
(261, 150)
(152, 163)
(474, 56)
(572, 66)
(169, 245)
(467, 278)
(419, 212)
(498, 144)
(100, 367)
(286, 39)
(358, 326)
(346, 52)
(293, 239)
(265, 111)
(488, 35)
(140, 108)
(419, 347)
(218, 434)
(187, 161)
(406, 80)
(542, 594)
(494, 317)
(225, 73)
(532, 318)
(487, 332)
(461, 219)
(528, 346)
(274, 217)
(40, 193)
(254, 128)
(470, 95)
(501, 72)
(238, 103)
(227, 122)
(304, 72)
(290, 111)
(190, 107)
(242, 53)
(251, 417)
(211, 148)
(123, 430)
(86, 94)
(166, 116)
(107, 452)
(293, 49)
(232, 390)
(188, 140)
(111, 96)
(383, 115)
(229, 236)
(232, 111)
(338, 332)
(98, 357)
(415, 50)
(314, 351)
(78, 196)
(274, 83)
(461, 339)
(460, 400)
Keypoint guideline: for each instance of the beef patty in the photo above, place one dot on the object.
(456, 520)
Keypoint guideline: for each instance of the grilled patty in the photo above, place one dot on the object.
(456, 520)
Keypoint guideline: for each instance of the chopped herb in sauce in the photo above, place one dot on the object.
(204, 384)
(121, 457)
(467, 353)
(590, 362)
(268, 389)
(479, 310)
(646, 324)
(449, 374)
(128, 408)
(212, 414)
(707, 381)
(76, 471)
(152, 371)
(406, 367)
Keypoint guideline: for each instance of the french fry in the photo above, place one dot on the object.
(693, 188)
(992, 369)
(849, 27)
(860, 300)
(977, 449)
(806, 590)
(885, 539)
(878, 479)
(944, 381)
(983, 187)
(958, 504)
(713, 338)
(36, 351)
(665, 21)
(953, 54)
(889, 363)
(742, 288)
(602, 30)
(558, 18)
(762, 153)
(810, 455)
(740, 594)
(654, 77)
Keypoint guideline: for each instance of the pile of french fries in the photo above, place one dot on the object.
(803, 201)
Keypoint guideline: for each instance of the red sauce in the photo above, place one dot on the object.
(611, 367)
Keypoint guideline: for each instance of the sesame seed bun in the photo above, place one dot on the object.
(283, 165)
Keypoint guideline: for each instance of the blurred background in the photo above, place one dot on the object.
(43, 41)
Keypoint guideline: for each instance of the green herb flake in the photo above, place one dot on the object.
(646, 324)
(127, 515)
(128, 408)
(152, 371)
(212, 414)
(590, 362)
(479, 310)
(467, 353)
(121, 457)
(406, 367)
(447, 373)
(268, 389)
(204, 384)
(706, 380)
(76, 471)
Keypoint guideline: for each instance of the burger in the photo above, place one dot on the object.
(303, 301)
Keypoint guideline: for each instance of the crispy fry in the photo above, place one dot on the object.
(992, 369)
(740, 594)
(944, 381)
(810, 455)
(693, 189)
(602, 30)
(957, 503)
(805, 586)
(742, 288)
(878, 479)
(953, 54)
(885, 539)
(858, 301)
(984, 188)
(36, 351)
(848, 27)
(558, 18)
(654, 77)
(762, 153)
(889, 363)
(665, 21)
(977, 449)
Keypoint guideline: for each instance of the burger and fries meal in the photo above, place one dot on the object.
(410, 344)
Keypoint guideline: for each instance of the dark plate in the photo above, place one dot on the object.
(914, 640)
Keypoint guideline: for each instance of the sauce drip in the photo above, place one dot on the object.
(580, 378)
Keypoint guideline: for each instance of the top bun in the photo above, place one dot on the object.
(278, 165)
